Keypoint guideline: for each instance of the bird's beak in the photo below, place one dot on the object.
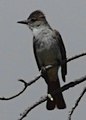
(23, 22)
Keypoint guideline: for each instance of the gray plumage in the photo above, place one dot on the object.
(48, 49)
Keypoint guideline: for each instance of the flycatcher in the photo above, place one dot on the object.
(48, 49)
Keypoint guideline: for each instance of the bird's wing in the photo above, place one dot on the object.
(34, 49)
(63, 53)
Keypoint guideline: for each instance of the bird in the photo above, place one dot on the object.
(49, 49)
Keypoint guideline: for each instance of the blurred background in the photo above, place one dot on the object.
(17, 58)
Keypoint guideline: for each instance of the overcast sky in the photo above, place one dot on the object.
(17, 58)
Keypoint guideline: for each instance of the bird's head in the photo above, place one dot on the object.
(36, 19)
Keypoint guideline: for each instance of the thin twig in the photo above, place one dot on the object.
(43, 99)
(76, 104)
(26, 84)
(24, 114)
(75, 57)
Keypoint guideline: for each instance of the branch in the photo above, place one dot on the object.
(43, 99)
(38, 76)
(75, 57)
(27, 84)
(76, 104)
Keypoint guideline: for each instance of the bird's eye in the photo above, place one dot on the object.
(33, 19)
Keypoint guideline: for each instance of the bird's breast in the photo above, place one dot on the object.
(47, 51)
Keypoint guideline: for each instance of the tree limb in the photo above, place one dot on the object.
(43, 99)
(38, 76)
(26, 84)
(76, 104)
(75, 57)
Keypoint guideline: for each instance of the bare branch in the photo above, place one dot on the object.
(75, 57)
(24, 114)
(43, 99)
(25, 86)
(76, 104)
(38, 76)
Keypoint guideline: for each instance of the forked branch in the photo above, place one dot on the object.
(38, 76)
(43, 99)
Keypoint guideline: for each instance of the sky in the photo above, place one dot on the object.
(17, 59)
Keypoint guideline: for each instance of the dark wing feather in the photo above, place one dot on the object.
(34, 50)
(63, 53)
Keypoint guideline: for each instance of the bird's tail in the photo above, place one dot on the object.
(58, 100)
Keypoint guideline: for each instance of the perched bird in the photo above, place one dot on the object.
(48, 49)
